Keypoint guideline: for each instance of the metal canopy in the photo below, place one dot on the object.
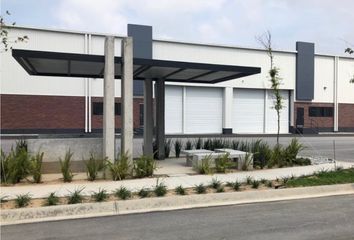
(43, 63)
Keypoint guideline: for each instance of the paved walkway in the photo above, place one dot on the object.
(40, 191)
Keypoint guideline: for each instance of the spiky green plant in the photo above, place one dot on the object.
(160, 189)
(255, 184)
(75, 196)
(123, 193)
(36, 167)
(93, 166)
(291, 151)
(178, 147)
(167, 146)
(215, 183)
(120, 168)
(22, 200)
(200, 189)
(222, 163)
(51, 200)
(5, 166)
(198, 143)
(100, 196)
(236, 186)
(249, 180)
(180, 190)
(143, 193)
(144, 166)
(189, 145)
(220, 189)
(65, 166)
(205, 166)
(246, 161)
(269, 184)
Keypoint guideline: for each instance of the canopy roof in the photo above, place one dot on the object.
(44, 63)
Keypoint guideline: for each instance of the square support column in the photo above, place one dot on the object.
(160, 118)
(148, 118)
(108, 100)
(127, 96)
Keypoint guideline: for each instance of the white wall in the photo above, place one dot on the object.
(324, 79)
(345, 73)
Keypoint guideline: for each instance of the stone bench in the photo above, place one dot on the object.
(190, 153)
(235, 155)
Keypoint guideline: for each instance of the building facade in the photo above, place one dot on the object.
(317, 94)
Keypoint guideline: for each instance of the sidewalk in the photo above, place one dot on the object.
(63, 189)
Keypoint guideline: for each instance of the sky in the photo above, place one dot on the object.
(327, 23)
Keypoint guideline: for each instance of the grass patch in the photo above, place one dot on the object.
(323, 178)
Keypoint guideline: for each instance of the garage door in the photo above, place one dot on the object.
(271, 125)
(203, 110)
(173, 109)
(248, 111)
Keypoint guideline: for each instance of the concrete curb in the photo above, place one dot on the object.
(54, 213)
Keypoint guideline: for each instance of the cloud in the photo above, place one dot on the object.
(236, 22)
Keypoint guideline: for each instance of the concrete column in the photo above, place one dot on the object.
(148, 118)
(335, 95)
(108, 100)
(127, 96)
(160, 118)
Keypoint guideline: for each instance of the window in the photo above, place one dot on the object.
(97, 108)
(321, 111)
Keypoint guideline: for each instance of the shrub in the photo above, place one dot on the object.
(180, 190)
(200, 189)
(215, 183)
(235, 144)
(236, 186)
(246, 161)
(100, 196)
(291, 151)
(189, 145)
(22, 200)
(65, 167)
(51, 200)
(222, 163)
(263, 180)
(198, 143)
(123, 193)
(207, 144)
(220, 189)
(255, 184)
(93, 166)
(302, 161)
(269, 184)
(261, 155)
(276, 156)
(120, 168)
(36, 167)
(144, 166)
(249, 180)
(205, 166)
(75, 196)
(16, 165)
(167, 148)
(143, 193)
(178, 147)
(160, 189)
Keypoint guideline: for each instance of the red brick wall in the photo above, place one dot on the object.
(51, 112)
(321, 122)
(346, 115)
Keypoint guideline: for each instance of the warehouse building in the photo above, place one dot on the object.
(316, 90)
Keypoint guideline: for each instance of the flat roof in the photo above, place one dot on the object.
(43, 63)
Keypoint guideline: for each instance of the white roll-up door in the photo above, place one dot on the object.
(203, 109)
(173, 109)
(271, 124)
(248, 111)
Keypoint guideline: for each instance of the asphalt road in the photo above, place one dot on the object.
(328, 218)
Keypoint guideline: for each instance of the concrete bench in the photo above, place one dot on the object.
(235, 155)
(190, 153)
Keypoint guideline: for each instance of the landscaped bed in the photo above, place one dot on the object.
(323, 177)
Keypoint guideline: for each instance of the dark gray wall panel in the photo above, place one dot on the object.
(305, 71)
(142, 48)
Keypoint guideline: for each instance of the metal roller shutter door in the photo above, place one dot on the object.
(248, 111)
(203, 110)
(271, 126)
(173, 109)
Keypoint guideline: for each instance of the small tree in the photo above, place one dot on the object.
(266, 41)
(7, 41)
(350, 51)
